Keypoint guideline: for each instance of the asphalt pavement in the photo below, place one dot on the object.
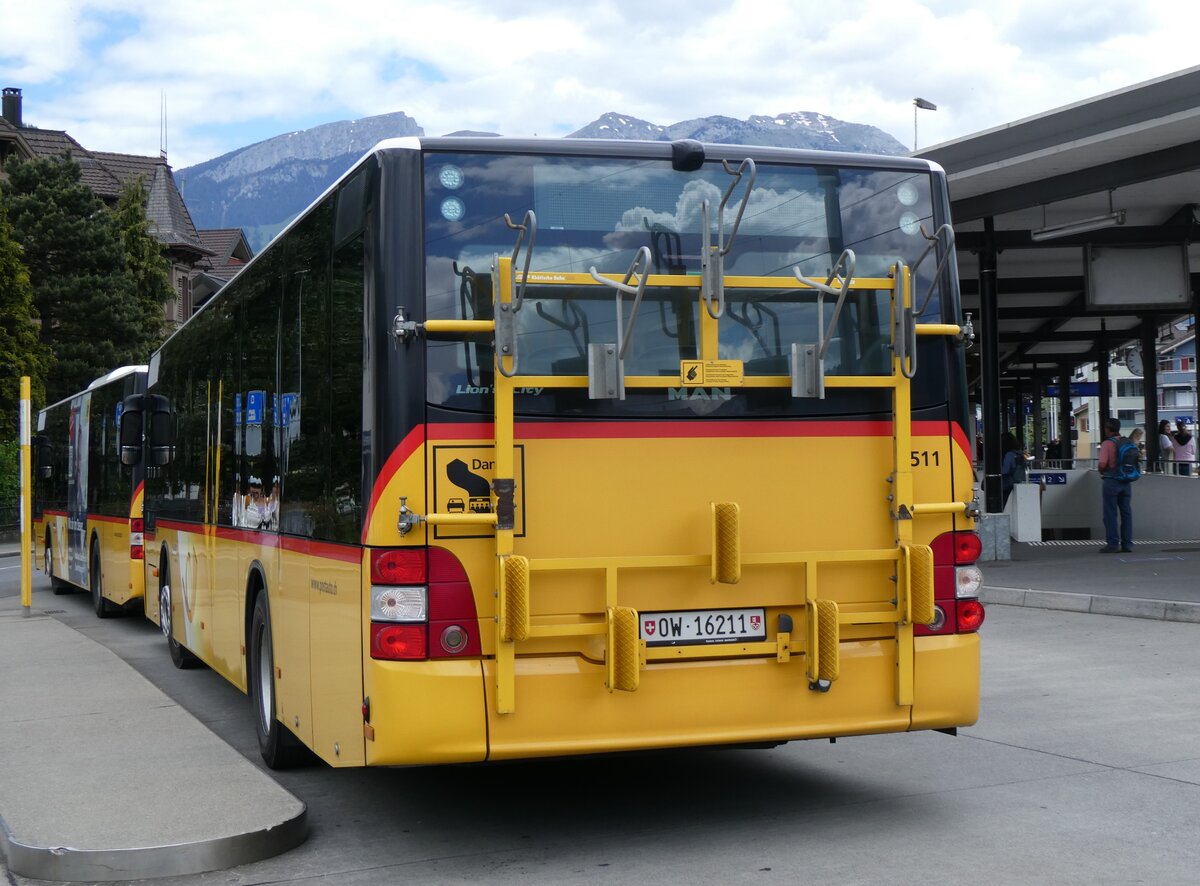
(103, 777)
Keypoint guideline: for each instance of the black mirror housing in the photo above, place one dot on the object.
(131, 429)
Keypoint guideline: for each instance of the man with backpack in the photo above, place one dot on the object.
(1119, 468)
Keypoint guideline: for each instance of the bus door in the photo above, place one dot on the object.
(77, 490)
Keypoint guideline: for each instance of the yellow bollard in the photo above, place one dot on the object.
(26, 502)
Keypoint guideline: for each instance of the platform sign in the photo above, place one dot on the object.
(1049, 478)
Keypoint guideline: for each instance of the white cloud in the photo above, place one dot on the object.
(240, 72)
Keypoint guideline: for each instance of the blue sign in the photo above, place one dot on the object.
(289, 408)
(1050, 478)
(1078, 389)
(254, 407)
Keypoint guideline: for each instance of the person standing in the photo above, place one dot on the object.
(1117, 494)
(1183, 445)
(1012, 466)
(1165, 445)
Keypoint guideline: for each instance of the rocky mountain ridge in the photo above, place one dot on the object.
(263, 186)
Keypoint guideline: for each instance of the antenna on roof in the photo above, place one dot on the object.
(162, 126)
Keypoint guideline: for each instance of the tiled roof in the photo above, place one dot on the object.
(226, 245)
(170, 221)
(54, 143)
(106, 172)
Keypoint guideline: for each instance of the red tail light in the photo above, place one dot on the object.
(448, 627)
(398, 642)
(954, 556)
(968, 547)
(137, 538)
(398, 566)
(970, 616)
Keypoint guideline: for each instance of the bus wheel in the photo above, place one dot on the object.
(180, 657)
(280, 749)
(56, 584)
(103, 607)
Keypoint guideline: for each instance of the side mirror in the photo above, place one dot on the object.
(44, 456)
(161, 431)
(131, 429)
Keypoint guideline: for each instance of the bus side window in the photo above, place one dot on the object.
(346, 410)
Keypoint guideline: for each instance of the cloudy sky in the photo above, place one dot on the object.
(234, 73)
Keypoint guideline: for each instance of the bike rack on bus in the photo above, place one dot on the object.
(506, 314)
(906, 320)
(606, 362)
(617, 625)
(808, 361)
(712, 258)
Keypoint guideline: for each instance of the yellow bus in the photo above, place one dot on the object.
(87, 503)
(517, 448)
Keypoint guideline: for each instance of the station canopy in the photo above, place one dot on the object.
(1095, 207)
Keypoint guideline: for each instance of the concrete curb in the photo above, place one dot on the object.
(72, 804)
(1095, 604)
(145, 862)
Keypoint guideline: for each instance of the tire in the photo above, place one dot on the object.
(56, 584)
(103, 607)
(180, 657)
(280, 749)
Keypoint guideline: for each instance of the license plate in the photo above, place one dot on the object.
(699, 626)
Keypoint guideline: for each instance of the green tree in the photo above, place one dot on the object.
(21, 349)
(147, 266)
(92, 319)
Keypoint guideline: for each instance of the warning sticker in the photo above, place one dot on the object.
(462, 484)
(703, 373)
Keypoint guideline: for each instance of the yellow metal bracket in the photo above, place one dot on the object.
(726, 543)
(623, 657)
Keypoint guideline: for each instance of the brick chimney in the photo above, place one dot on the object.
(12, 105)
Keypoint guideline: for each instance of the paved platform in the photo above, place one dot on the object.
(1159, 579)
(103, 777)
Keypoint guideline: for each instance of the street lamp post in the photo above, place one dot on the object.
(924, 105)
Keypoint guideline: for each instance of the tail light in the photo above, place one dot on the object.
(956, 584)
(137, 538)
(421, 606)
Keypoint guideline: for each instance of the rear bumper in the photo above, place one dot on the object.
(563, 707)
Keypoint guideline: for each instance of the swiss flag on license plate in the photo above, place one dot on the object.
(648, 626)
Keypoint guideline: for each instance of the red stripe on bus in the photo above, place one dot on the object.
(325, 549)
(409, 445)
(50, 512)
(693, 429)
(105, 518)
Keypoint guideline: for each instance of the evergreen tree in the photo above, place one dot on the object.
(147, 266)
(92, 318)
(21, 349)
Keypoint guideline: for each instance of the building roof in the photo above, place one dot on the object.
(229, 252)
(54, 143)
(1135, 150)
(170, 221)
(105, 172)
